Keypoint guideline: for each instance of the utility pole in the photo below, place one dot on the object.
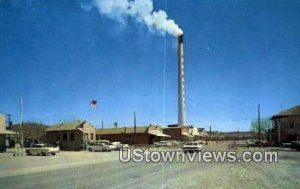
(134, 122)
(270, 141)
(210, 133)
(259, 127)
(21, 124)
(9, 122)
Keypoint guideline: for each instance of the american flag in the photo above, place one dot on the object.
(93, 103)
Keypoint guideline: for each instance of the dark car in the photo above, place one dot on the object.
(296, 145)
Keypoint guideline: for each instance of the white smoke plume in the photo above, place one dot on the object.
(141, 10)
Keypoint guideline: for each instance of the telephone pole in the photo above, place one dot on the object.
(134, 122)
(9, 122)
(21, 124)
(259, 127)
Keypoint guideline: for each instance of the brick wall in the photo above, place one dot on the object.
(175, 133)
(289, 129)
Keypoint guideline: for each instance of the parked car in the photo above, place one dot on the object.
(107, 143)
(200, 141)
(42, 149)
(101, 147)
(162, 144)
(177, 143)
(252, 142)
(192, 147)
(119, 145)
(296, 145)
(286, 145)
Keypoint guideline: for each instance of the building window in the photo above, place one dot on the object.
(92, 136)
(57, 137)
(72, 137)
(65, 137)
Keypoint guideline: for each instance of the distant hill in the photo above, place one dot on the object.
(31, 131)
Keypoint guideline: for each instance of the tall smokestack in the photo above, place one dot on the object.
(181, 91)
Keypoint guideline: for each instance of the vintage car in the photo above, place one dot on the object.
(120, 146)
(42, 149)
(192, 147)
(106, 143)
(295, 145)
(100, 147)
(162, 144)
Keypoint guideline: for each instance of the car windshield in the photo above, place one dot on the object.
(192, 143)
(37, 145)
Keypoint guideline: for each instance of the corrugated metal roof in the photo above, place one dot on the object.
(65, 126)
(294, 111)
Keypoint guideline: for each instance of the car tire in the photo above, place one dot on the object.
(53, 154)
(43, 154)
(90, 149)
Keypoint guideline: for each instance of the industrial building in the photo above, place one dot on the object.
(133, 135)
(178, 133)
(185, 133)
(286, 126)
(71, 135)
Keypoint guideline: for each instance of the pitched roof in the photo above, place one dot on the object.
(294, 111)
(65, 126)
(121, 130)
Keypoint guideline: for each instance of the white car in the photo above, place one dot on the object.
(162, 144)
(99, 147)
(119, 145)
(42, 149)
(107, 143)
(192, 147)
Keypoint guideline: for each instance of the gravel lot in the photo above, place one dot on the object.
(74, 169)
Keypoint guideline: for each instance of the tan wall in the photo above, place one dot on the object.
(86, 132)
(57, 138)
(2, 123)
(89, 131)
(154, 129)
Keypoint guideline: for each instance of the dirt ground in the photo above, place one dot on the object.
(75, 167)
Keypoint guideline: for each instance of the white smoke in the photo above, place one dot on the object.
(142, 11)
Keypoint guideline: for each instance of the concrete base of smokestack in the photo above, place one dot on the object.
(181, 90)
